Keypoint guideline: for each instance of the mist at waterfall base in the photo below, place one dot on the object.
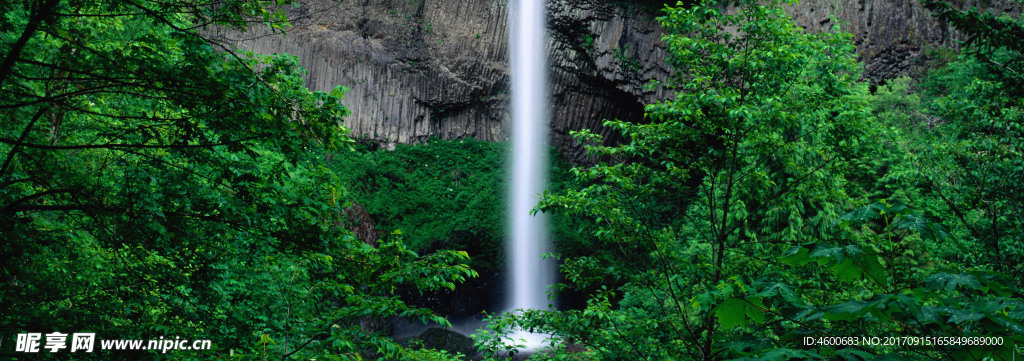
(529, 274)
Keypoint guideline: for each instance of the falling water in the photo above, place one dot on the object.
(528, 235)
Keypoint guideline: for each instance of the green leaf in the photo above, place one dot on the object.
(950, 281)
(756, 310)
(828, 254)
(926, 228)
(846, 311)
(847, 271)
(965, 315)
(783, 290)
(731, 313)
(797, 256)
(860, 215)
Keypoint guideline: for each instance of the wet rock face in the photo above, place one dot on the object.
(601, 55)
(891, 36)
(438, 68)
(417, 69)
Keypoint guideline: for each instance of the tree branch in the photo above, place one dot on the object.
(24, 134)
(44, 13)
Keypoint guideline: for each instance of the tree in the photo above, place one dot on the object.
(738, 165)
(151, 186)
(745, 215)
(977, 167)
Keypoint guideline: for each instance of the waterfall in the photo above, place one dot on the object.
(528, 235)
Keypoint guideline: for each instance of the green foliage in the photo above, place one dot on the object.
(995, 41)
(151, 186)
(445, 194)
(496, 339)
(587, 40)
(768, 201)
(738, 163)
(975, 165)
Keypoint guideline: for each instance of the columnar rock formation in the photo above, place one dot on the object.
(438, 68)
(893, 37)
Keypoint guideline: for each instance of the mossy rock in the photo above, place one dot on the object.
(448, 340)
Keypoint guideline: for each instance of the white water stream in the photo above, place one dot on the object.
(529, 275)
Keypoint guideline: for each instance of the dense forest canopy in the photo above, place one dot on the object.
(157, 183)
(777, 209)
(154, 184)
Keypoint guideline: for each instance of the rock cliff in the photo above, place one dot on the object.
(438, 68)
(893, 37)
